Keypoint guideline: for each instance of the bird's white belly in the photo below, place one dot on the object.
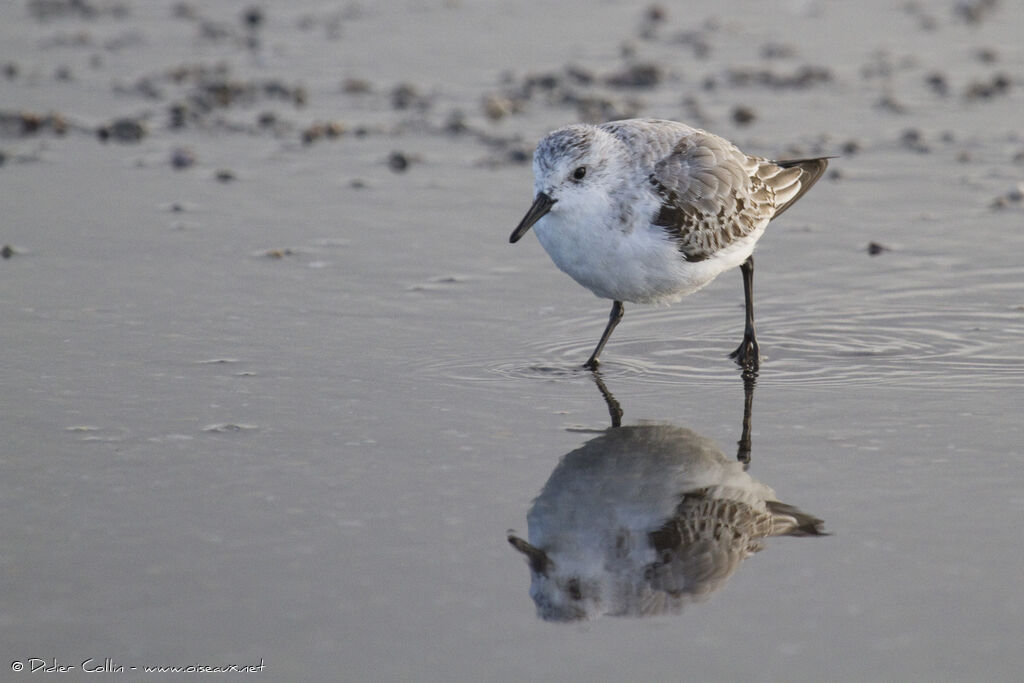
(641, 266)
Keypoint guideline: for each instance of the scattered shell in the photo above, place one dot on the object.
(228, 427)
(497, 107)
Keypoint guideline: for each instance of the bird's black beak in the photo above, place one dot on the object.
(541, 205)
(539, 561)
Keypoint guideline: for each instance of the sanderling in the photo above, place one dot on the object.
(644, 519)
(648, 211)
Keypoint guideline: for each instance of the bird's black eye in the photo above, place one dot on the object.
(580, 173)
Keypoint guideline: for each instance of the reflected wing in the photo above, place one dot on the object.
(712, 194)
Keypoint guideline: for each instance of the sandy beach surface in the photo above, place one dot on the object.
(276, 386)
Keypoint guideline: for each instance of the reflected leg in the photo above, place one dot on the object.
(743, 445)
(614, 409)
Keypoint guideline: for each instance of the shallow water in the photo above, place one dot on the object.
(292, 418)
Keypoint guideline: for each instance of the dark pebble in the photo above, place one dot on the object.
(987, 55)
(252, 17)
(914, 140)
(938, 83)
(7, 251)
(851, 147)
(225, 176)
(518, 155)
(656, 13)
(983, 90)
(356, 86)
(405, 96)
(182, 157)
(874, 248)
(398, 162)
(636, 76)
(889, 103)
(579, 74)
(122, 130)
(10, 71)
(973, 11)
(777, 51)
(743, 115)
(456, 123)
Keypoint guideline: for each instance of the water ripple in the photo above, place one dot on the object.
(948, 349)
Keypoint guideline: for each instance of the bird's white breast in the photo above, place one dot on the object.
(635, 262)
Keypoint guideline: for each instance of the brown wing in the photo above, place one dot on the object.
(713, 194)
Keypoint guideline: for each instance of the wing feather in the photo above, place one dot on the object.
(712, 194)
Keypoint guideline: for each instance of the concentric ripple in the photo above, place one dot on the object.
(953, 348)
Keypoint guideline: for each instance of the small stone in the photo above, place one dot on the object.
(987, 55)
(225, 175)
(182, 157)
(252, 17)
(7, 251)
(938, 83)
(743, 115)
(656, 14)
(356, 86)
(913, 139)
(636, 76)
(874, 248)
(122, 130)
(398, 162)
(497, 107)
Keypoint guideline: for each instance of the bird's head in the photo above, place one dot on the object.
(575, 170)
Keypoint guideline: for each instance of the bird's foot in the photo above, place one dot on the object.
(747, 355)
(592, 364)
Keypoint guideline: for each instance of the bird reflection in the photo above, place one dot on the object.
(644, 519)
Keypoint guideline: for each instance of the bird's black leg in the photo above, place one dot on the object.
(613, 319)
(743, 446)
(746, 354)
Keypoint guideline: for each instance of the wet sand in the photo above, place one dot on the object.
(277, 387)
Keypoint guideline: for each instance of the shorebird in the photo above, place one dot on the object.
(645, 519)
(648, 211)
